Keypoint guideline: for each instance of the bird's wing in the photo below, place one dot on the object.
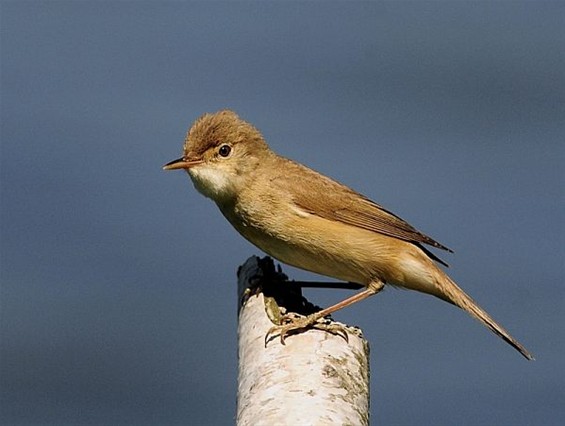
(340, 203)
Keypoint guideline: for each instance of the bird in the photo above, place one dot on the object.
(310, 221)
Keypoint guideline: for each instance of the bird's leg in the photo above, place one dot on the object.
(297, 325)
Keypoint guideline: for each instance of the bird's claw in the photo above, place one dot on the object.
(293, 324)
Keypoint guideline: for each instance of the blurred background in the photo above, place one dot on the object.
(118, 280)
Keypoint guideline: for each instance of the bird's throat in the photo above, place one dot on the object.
(212, 182)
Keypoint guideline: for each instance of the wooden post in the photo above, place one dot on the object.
(316, 378)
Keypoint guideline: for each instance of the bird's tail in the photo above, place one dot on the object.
(452, 293)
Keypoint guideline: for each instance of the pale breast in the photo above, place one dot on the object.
(309, 242)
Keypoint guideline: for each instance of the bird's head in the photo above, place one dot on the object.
(221, 153)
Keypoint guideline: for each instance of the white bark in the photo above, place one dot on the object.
(317, 378)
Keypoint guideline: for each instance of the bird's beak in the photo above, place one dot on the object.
(181, 163)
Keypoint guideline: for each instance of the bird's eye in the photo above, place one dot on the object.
(224, 150)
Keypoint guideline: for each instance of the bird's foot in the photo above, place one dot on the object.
(292, 323)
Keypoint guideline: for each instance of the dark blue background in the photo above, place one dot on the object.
(118, 288)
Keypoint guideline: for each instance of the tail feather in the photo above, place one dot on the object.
(452, 293)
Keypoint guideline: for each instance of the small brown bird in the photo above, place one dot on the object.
(310, 221)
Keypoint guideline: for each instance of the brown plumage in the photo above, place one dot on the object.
(310, 221)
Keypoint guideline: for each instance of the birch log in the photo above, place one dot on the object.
(316, 378)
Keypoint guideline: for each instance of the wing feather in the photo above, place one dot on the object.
(342, 204)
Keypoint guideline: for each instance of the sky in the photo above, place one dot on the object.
(117, 282)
